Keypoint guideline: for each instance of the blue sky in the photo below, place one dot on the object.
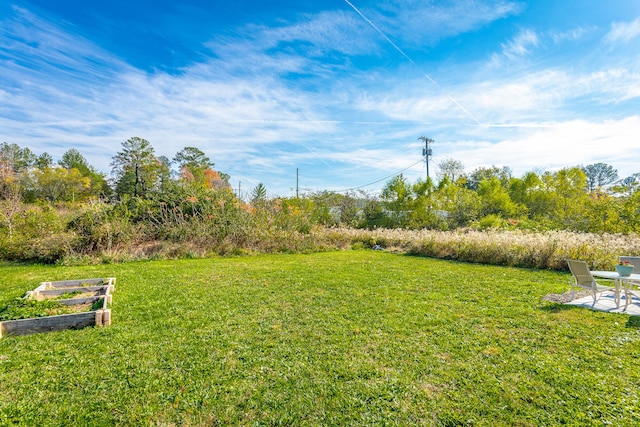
(340, 90)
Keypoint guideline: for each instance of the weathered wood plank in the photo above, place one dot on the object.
(51, 293)
(79, 283)
(47, 324)
(106, 317)
(78, 301)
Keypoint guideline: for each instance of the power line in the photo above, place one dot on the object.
(408, 58)
(381, 179)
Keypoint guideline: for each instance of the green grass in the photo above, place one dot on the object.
(27, 308)
(342, 338)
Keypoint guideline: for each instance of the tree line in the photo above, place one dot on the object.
(57, 210)
(137, 171)
(585, 199)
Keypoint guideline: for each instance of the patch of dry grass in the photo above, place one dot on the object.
(514, 248)
(542, 250)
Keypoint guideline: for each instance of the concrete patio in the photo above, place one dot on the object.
(607, 303)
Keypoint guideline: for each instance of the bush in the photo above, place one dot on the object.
(491, 222)
(101, 227)
(39, 236)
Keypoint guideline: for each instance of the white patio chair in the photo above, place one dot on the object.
(582, 278)
(630, 290)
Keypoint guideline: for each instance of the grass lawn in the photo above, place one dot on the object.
(342, 338)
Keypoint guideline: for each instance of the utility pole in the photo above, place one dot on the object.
(297, 182)
(426, 151)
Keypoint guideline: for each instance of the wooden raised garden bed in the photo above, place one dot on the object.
(82, 303)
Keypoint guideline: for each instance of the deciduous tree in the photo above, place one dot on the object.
(503, 174)
(398, 201)
(599, 175)
(495, 199)
(14, 159)
(60, 184)
(10, 204)
(72, 159)
(450, 168)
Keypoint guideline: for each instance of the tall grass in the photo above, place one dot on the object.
(203, 226)
(547, 249)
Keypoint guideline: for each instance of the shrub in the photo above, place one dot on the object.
(492, 221)
(40, 236)
(103, 227)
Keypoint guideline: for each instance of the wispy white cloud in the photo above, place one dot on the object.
(325, 32)
(498, 99)
(271, 99)
(418, 22)
(570, 35)
(555, 93)
(521, 45)
(33, 43)
(623, 31)
(558, 145)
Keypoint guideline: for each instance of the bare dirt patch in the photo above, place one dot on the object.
(565, 297)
